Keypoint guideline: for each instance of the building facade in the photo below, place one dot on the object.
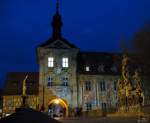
(80, 79)
(68, 77)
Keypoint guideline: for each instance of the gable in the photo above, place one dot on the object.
(60, 43)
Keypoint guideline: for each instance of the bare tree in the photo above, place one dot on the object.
(141, 43)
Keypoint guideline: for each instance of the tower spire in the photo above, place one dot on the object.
(57, 23)
(57, 6)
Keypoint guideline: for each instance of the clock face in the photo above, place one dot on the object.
(57, 70)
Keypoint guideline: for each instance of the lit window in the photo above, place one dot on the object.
(88, 85)
(50, 81)
(87, 68)
(65, 62)
(50, 62)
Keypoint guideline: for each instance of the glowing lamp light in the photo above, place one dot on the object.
(57, 101)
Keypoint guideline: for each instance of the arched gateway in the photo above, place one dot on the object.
(58, 106)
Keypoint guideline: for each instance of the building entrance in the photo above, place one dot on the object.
(58, 108)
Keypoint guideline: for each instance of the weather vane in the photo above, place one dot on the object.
(57, 5)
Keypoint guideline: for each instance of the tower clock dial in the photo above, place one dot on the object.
(58, 70)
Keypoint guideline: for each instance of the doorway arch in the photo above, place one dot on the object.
(60, 102)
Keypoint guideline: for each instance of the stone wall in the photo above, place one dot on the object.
(98, 96)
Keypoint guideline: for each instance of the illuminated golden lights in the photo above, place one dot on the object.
(60, 102)
(56, 101)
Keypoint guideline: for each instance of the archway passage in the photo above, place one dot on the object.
(58, 107)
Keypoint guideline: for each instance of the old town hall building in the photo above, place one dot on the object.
(67, 77)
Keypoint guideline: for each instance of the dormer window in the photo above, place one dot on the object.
(87, 68)
(50, 62)
(65, 62)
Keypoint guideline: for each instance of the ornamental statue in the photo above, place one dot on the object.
(24, 95)
(24, 88)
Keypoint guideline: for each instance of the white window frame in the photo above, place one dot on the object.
(50, 61)
(65, 62)
(65, 81)
(49, 81)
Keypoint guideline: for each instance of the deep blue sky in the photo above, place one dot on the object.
(92, 25)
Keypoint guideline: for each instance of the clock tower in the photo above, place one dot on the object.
(57, 68)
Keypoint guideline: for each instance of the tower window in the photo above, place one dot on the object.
(50, 81)
(65, 62)
(87, 68)
(87, 85)
(50, 62)
(65, 81)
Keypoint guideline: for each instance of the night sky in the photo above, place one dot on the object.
(92, 25)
